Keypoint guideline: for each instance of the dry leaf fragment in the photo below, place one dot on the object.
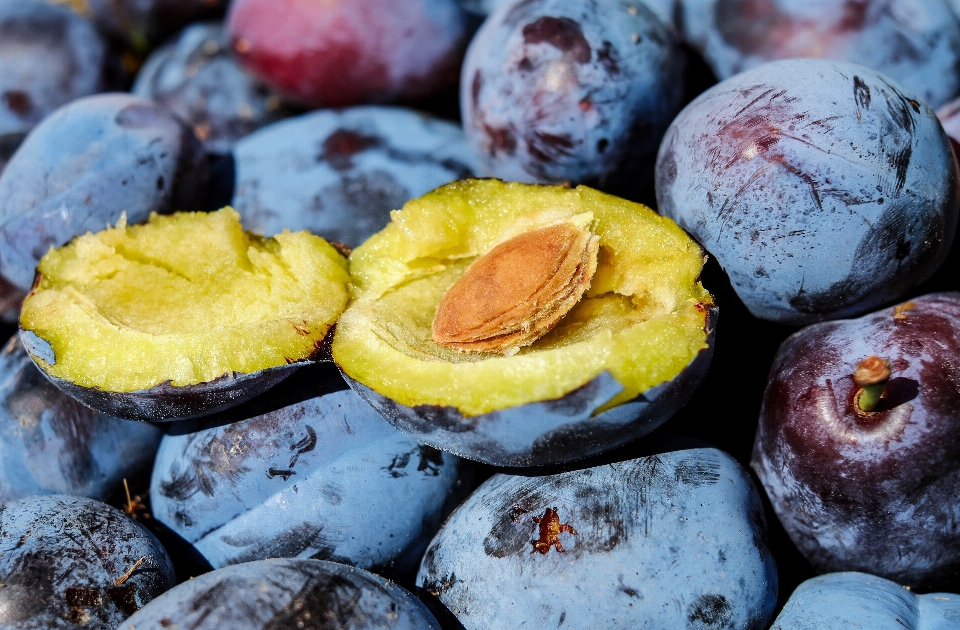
(518, 291)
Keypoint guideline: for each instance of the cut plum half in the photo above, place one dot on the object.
(517, 383)
(182, 316)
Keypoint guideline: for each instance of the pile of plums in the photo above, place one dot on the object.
(801, 160)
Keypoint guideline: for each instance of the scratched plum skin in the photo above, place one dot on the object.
(876, 495)
(64, 560)
(85, 165)
(285, 593)
(860, 600)
(340, 173)
(197, 77)
(50, 56)
(823, 189)
(557, 91)
(51, 444)
(670, 540)
(350, 52)
(324, 477)
(915, 42)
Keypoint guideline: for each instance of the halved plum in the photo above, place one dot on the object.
(180, 317)
(625, 354)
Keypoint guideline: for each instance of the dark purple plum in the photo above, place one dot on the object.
(285, 593)
(860, 600)
(674, 539)
(145, 22)
(917, 43)
(49, 56)
(340, 173)
(51, 444)
(72, 562)
(323, 477)
(87, 164)
(558, 91)
(869, 491)
(197, 78)
(335, 54)
(666, 10)
(823, 188)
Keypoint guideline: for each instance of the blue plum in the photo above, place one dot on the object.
(558, 91)
(197, 78)
(860, 600)
(84, 166)
(323, 477)
(70, 562)
(49, 56)
(822, 188)
(51, 444)
(915, 42)
(285, 593)
(675, 539)
(340, 173)
(869, 490)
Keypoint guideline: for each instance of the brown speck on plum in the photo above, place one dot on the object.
(562, 33)
(340, 147)
(18, 102)
(550, 529)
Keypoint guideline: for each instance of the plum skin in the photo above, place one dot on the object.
(874, 495)
(561, 91)
(335, 54)
(822, 188)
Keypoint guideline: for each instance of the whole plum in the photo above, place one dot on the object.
(340, 173)
(869, 490)
(51, 444)
(822, 188)
(49, 56)
(557, 91)
(284, 593)
(70, 562)
(860, 600)
(324, 477)
(198, 78)
(83, 167)
(349, 52)
(915, 42)
(675, 539)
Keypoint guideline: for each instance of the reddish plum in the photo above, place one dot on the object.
(346, 52)
(871, 491)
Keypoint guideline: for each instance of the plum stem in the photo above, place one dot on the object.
(871, 377)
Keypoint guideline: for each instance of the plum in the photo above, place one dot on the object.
(823, 189)
(143, 23)
(198, 79)
(50, 56)
(340, 173)
(87, 164)
(565, 372)
(70, 562)
(180, 317)
(349, 52)
(862, 490)
(321, 476)
(915, 42)
(51, 444)
(860, 600)
(672, 539)
(558, 91)
(285, 593)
